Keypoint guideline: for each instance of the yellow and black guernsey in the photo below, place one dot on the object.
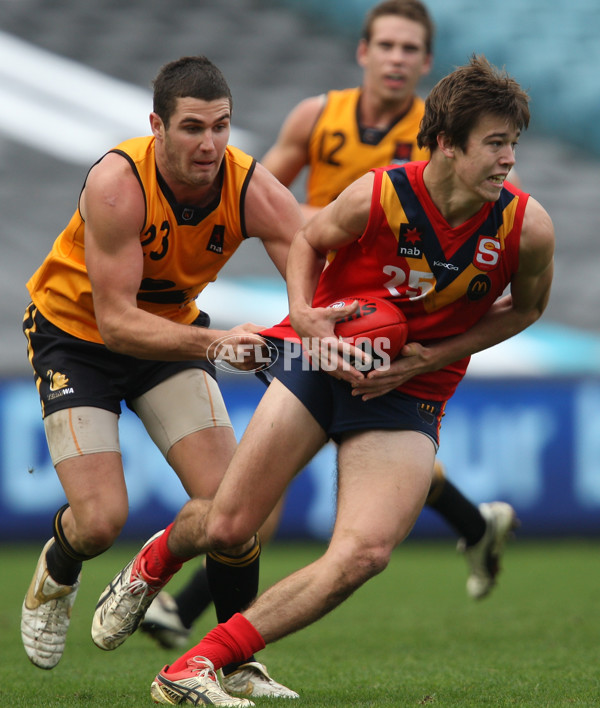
(184, 247)
(341, 150)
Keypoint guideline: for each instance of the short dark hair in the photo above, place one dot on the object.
(410, 9)
(457, 102)
(195, 77)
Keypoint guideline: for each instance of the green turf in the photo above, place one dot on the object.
(410, 637)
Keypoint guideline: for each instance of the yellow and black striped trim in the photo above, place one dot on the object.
(238, 561)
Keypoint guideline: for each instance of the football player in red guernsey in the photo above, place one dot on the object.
(338, 137)
(482, 274)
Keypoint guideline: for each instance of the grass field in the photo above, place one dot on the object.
(410, 637)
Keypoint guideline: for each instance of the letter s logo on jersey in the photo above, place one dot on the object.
(487, 253)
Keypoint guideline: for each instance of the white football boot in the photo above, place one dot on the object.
(123, 603)
(483, 558)
(46, 615)
(196, 685)
(252, 679)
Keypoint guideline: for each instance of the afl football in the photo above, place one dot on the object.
(378, 326)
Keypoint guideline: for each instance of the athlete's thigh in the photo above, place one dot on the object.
(280, 439)
(186, 417)
(84, 446)
(200, 460)
(383, 480)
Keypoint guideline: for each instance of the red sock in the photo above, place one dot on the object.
(234, 640)
(157, 560)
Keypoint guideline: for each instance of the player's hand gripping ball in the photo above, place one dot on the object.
(378, 328)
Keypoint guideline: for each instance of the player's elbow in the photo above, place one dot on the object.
(112, 334)
(112, 341)
(523, 319)
(533, 313)
(530, 307)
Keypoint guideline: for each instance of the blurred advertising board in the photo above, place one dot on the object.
(531, 441)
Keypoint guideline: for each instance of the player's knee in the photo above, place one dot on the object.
(96, 541)
(98, 534)
(371, 560)
(361, 561)
(225, 532)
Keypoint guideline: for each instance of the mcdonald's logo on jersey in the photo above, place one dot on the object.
(479, 287)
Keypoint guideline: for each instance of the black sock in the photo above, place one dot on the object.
(233, 582)
(194, 598)
(62, 567)
(457, 510)
(63, 561)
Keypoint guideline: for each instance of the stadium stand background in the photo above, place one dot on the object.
(552, 46)
(274, 53)
(75, 79)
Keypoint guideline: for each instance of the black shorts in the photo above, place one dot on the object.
(72, 372)
(332, 405)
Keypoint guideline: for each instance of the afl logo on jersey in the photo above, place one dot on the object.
(479, 287)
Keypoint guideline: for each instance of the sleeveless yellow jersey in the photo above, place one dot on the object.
(341, 150)
(184, 247)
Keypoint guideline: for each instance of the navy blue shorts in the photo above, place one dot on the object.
(72, 372)
(332, 405)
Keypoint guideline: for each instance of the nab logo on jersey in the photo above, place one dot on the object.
(408, 241)
(217, 238)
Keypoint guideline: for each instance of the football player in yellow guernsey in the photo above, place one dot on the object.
(339, 136)
(114, 317)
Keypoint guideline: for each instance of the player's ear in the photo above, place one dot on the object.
(361, 53)
(157, 126)
(427, 66)
(445, 145)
